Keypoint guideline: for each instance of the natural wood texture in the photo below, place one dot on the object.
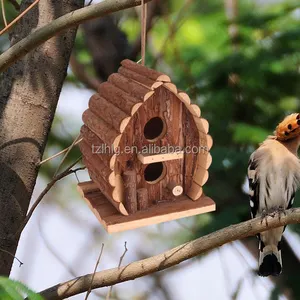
(99, 147)
(204, 159)
(184, 98)
(119, 191)
(175, 189)
(200, 176)
(117, 97)
(156, 115)
(149, 158)
(192, 141)
(103, 130)
(152, 74)
(162, 212)
(209, 141)
(148, 95)
(110, 113)
(195, 191)
(129, 86)
(105, 188)
(106, 173)
(130, 201)
(171, 86)
(202, 124)
(140, 79)
(142, 198)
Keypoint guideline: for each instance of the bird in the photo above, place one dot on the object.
(274, 177)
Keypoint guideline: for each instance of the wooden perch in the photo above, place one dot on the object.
(149, 158)
(110, 113)
(175, 188)
(152, 74)
(129, 179)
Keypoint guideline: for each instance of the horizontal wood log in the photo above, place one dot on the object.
(103, 130)
(129, 86)
(105, 188)
(152, 74)
(130, 201)
(95, 159)
(87, 187)
(117, 97)
(195, 191)
(99, 147)
(175, 188)
(142, 198)
(110, 113)
(145, 81)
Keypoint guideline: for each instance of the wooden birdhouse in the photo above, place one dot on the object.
(146, 149)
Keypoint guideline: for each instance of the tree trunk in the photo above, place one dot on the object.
(29, 92)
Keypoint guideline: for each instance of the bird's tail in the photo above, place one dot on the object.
(270, 262)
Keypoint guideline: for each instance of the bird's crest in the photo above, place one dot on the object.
(289, 128)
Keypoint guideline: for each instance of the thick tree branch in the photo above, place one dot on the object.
(170, 258)
(64, 22)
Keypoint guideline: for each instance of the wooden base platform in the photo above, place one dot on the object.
(114, 221)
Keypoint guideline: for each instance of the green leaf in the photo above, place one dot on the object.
(15, 290)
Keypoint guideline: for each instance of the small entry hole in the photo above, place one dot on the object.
(154, 172)
(154, 129)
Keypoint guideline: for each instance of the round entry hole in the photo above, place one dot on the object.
(154, 172)
(154, 129)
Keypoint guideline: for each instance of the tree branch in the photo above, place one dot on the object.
(69, 20)
(172, 257)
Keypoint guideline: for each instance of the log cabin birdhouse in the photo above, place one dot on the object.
(146, 149)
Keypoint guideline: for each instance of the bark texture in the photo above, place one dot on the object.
(29, 92)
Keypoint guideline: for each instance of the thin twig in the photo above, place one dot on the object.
(19, 17)
(119, 265)
(2, 250)
(69, 20)
(15, 4)
(96, 266)
(171, 257)
(66, 154)
(3, 13)
(59, 153)
(91, 1)
(58, 177)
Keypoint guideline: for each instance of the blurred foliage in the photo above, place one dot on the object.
(14, 290)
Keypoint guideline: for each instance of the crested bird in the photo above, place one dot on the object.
(274, 177)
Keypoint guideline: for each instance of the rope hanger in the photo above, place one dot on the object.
(143, 31)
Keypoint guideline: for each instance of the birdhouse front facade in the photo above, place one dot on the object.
(146, 149)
